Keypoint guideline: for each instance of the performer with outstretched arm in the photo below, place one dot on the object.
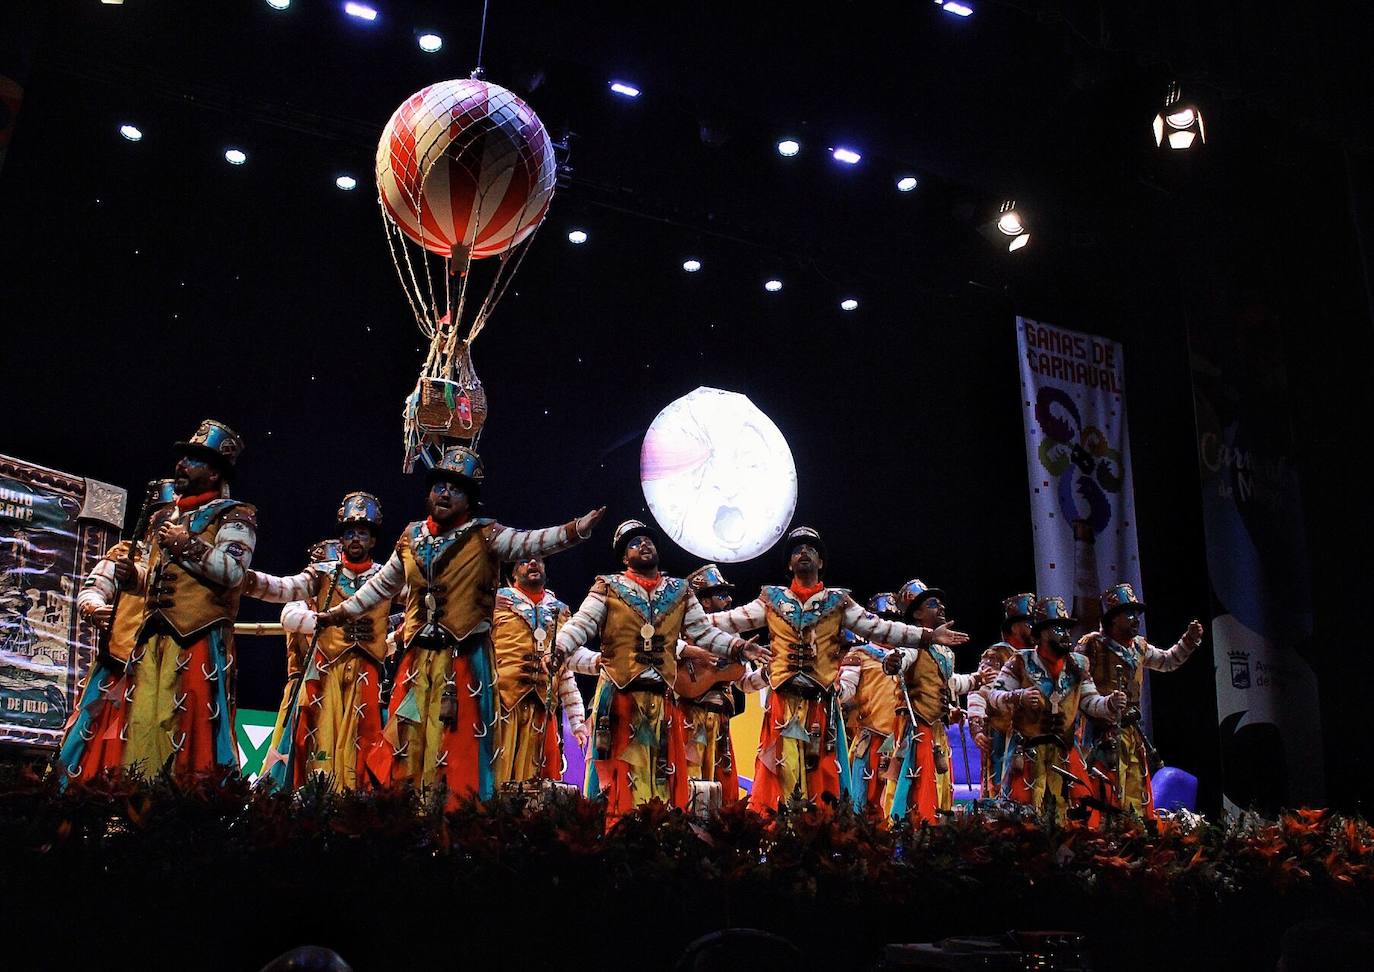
(440, 729)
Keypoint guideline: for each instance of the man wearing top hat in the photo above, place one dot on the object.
(531, 689)
(643, 619)
(1043, 689)
(991, 733)
(119, 614)
(1118, 657)
(172, 705)
(334, 717)
(802, 746)
(919, 776)
(440, 730)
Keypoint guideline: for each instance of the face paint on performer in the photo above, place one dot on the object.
(1019, 634)
(529, 574)
(195, 476)
(1124, 627)
(357, 540)
(448, 502)
(805, 562)
(1057, 640)
(715, 600)
(930, 613)
(641, 556)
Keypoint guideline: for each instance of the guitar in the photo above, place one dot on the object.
(699, 671)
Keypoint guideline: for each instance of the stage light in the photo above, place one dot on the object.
(788, 147)
(1178, 123)
(1019, 242)
(235, 157)
(360, 10)
(131, 133)
(907, 183)
(773, 286)
(431, 43)
(346, 182)
(718, 476)
(577, 236)
(279, 4)
(1010, 223)
(691, 266)
(849, 304)
(846, 155)
(954, 7)
(1008, 227)
(627, 90)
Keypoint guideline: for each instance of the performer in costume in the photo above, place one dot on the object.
(919, 778)
(333, 719)
(171, 705)
(802, 741)
(872, 693)
(439, 730)
(531, 689)
(991, 733)
(1044, 689)
(119, 619)
(1118, 657)
(643, 619)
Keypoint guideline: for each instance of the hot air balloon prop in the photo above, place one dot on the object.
(465, 172)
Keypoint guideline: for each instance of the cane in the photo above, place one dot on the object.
(306, 659)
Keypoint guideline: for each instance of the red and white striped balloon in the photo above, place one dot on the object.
(465, 162)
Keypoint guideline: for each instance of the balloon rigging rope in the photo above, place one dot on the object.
(481, 41)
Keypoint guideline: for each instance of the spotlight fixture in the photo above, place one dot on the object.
(849, 304)
(788, 147)
(235, 156)
(691, 266)
(346, 182)
(577, 236)
(430, 43)
(279, 4)
(1008, 227)
(907, 183)
(954, 7)
(625, 90)
(1178, 122)
(131, 132)
(360, 10)
(846, 155)
(773, 286)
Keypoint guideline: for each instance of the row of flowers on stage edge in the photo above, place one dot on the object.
(1186, 854)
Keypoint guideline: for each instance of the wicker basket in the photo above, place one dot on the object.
(451, 410)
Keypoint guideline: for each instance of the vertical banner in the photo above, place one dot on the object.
(1257, 565)
(1079, 465)
(53, 529)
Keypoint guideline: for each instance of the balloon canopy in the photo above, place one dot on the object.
(718, 476)
(465, 164)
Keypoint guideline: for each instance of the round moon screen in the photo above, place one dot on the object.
(718, 476)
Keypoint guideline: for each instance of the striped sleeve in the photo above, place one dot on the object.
(849, 682)
(746, 617)
(383, 586)
(869, 626)
(1167, 661)
(98, 587)
(700, 631)
(227, 561)
(755, 680)
(580, 629)
(961, 684)
(298, 617)
(280, 590)
(512, 545)
(1000, 697)
(571, 698)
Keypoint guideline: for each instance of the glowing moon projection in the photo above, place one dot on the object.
(718, 476)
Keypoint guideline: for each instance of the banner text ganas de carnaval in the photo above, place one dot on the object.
(1078, 358)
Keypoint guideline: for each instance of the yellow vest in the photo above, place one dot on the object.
(187, 602)
(366, 633)
(128, 615)
(461, 578)
(1029, 724)
(925, 683)
(1102, 663)
(804, 642)
(519, 668)
(624, 652)
(877, 704)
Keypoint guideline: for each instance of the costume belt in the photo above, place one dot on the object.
(646, 684)
(434, 638)
(804, 688)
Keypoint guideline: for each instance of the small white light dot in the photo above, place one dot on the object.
(906, 183)
(278, 5)
(788, 147)
(846, 155)
(235, 156)
(431, 43)
(773, 286)
(346, 182)
(577, 236)
(627, 90)
(691, 266)
(546, 411)
(131, 132)
(849, 304)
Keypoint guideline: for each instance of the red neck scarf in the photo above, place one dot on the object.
(435, 529)
(1016, 642)
(185, 503)
(804, 592)
(650, 584)
(360, 567)
(534, 596)
(1054, 664)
